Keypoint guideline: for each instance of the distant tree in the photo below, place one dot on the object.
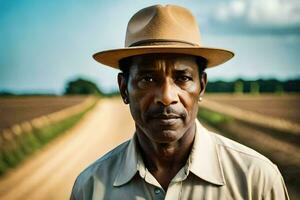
(6, 93)
(239, 87)
(279, 89)
(81, 86)
(254, 87)
(268, 86)
(219, 86)
(292, 85)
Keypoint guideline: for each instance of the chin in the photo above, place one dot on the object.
(166, 136)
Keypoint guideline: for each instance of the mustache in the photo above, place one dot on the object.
(165, 112)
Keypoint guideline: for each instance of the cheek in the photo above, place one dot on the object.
(189, 98)
(140, 100)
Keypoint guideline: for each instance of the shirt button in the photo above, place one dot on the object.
(157, 191)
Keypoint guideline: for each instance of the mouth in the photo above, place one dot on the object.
(166, 119)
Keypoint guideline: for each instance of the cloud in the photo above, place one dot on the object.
(234, 9)
(279, 13)
(259, 16)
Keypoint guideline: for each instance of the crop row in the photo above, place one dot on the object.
(22, 139)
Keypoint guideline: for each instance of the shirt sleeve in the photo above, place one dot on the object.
(278, 190)
(73, 193)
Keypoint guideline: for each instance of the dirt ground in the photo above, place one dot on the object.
(18, 109)
(50, 173)
(286, 106)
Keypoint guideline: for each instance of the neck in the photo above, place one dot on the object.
(166, 156)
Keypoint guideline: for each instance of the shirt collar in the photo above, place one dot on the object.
(129, 163)
(204, 160)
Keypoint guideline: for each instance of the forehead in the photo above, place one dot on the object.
(165, 62)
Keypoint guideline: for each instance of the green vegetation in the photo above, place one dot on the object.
(17, 149)
(253, 87)
(212, 118)
(81, 86)
(84, 87)
(239, 87)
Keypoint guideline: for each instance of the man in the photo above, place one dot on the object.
(171, 156)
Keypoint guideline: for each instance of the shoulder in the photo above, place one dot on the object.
(248, 155)
(104, 162)
(246, 164)
(105, 168)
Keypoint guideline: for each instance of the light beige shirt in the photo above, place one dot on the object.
(217, 168)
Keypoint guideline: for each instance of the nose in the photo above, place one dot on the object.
(166, 93)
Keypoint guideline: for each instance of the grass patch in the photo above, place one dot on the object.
(12, 153)
(214, 119)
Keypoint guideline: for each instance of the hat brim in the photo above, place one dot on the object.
(213, 56)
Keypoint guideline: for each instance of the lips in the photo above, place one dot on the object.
(166, 119)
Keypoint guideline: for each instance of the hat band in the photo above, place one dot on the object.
(161, 42)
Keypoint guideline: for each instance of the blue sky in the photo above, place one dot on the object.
(44, 44)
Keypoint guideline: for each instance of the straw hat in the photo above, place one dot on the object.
(163, 29)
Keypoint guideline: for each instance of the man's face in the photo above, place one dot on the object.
(163, 92)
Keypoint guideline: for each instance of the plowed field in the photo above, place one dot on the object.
(280, 106)
(18, 109)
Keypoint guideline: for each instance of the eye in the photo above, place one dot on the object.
(146, 81)
(147, 78)
(184, 78)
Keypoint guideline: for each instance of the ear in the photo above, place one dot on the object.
(123, 87)
(203, 83)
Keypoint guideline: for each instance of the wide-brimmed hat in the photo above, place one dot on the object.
(163, 29)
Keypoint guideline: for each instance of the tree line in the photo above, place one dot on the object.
(81, 86)
(256, 86)
(86, 87)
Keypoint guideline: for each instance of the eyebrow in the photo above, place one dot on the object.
(176, 71)
(184, 68)
(184, 71)
(145, 71)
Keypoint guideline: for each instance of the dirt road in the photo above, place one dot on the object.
(50, 173)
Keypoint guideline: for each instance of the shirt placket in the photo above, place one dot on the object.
(155, 188)
(176, 186)
(174, 190)
(157, 191)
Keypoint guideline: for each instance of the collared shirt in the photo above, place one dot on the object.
(217, 168)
